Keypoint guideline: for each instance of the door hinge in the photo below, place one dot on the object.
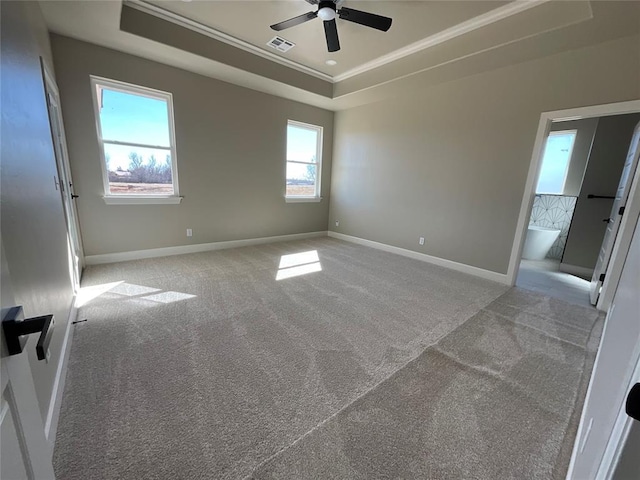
(601, 278)
(621, 211)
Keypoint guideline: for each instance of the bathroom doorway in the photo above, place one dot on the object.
(578, 160)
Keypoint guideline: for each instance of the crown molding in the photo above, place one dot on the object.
(500, 13)
(211, 32)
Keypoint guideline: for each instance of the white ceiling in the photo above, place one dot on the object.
(429, 41)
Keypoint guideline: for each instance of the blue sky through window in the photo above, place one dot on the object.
(301, 147)
(555, 162)
(126, 117)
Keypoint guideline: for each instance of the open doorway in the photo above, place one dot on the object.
(578, 161)
(603, 425)
(581, 169)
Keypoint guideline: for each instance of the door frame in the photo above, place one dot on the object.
(63, 163)
(618, 437)
(619, 252)
(51, 422)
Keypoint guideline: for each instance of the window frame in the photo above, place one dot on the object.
(123, 87)
(574, 132)
(318, 163)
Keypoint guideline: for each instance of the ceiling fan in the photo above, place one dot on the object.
(327, 12)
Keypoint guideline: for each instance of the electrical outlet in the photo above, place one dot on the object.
(421, 240)
(189, 232)
(337, 223)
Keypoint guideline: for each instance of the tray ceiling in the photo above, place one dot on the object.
(429, 42)
(249, 21)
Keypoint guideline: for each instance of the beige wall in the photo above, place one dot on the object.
(231, 146)
(33, 223)
(586, 129)
(602, 176)
(449, 162)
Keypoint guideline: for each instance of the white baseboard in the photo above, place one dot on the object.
(581, 272)
(200, 247)
(51, 425)
(460, 267)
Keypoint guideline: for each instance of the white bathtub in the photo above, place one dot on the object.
(538, 242)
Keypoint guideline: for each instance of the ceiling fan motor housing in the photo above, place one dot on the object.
(327, 10)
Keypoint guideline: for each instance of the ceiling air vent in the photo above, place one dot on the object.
(280, 44)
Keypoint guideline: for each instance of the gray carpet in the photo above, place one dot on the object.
(206, 366)
(498, 398)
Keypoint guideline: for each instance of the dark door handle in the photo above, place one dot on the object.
(606, 220)
(75, 196)
(633, 402)
(16, 327)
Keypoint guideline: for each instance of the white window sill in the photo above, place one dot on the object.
(140, 200)
(302, 199)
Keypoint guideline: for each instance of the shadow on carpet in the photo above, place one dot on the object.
(499, 397)
(205, 365)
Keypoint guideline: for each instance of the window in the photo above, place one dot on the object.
(304, 159)
(137, 143)
(555, 162)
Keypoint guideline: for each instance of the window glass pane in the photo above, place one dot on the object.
(138, 170)
(126, 117)
(555, 163)
(301, 144)
(301, 180)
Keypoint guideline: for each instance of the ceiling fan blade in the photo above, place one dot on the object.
(365, 18)
(292, 22)
(331, 32)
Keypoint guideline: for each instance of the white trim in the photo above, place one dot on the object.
(318, 163)
(124, 87)
(581, 433)
(463, 28)
(620, 431)
(576, 270)
(53, 414)
(622, 423)
(74, 231)
(423, 257)
(544, 126)
(618, 437)
(615, 446)
(4, 409)
(211, 32)
(622, 243)
(131, 144)
(141, 200)
(302, 199)
(200, 247)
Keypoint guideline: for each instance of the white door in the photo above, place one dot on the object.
(65, 183)
(613, 371)
(24, 450)
(613, 224)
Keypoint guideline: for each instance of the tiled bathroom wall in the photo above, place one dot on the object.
(554, 211)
